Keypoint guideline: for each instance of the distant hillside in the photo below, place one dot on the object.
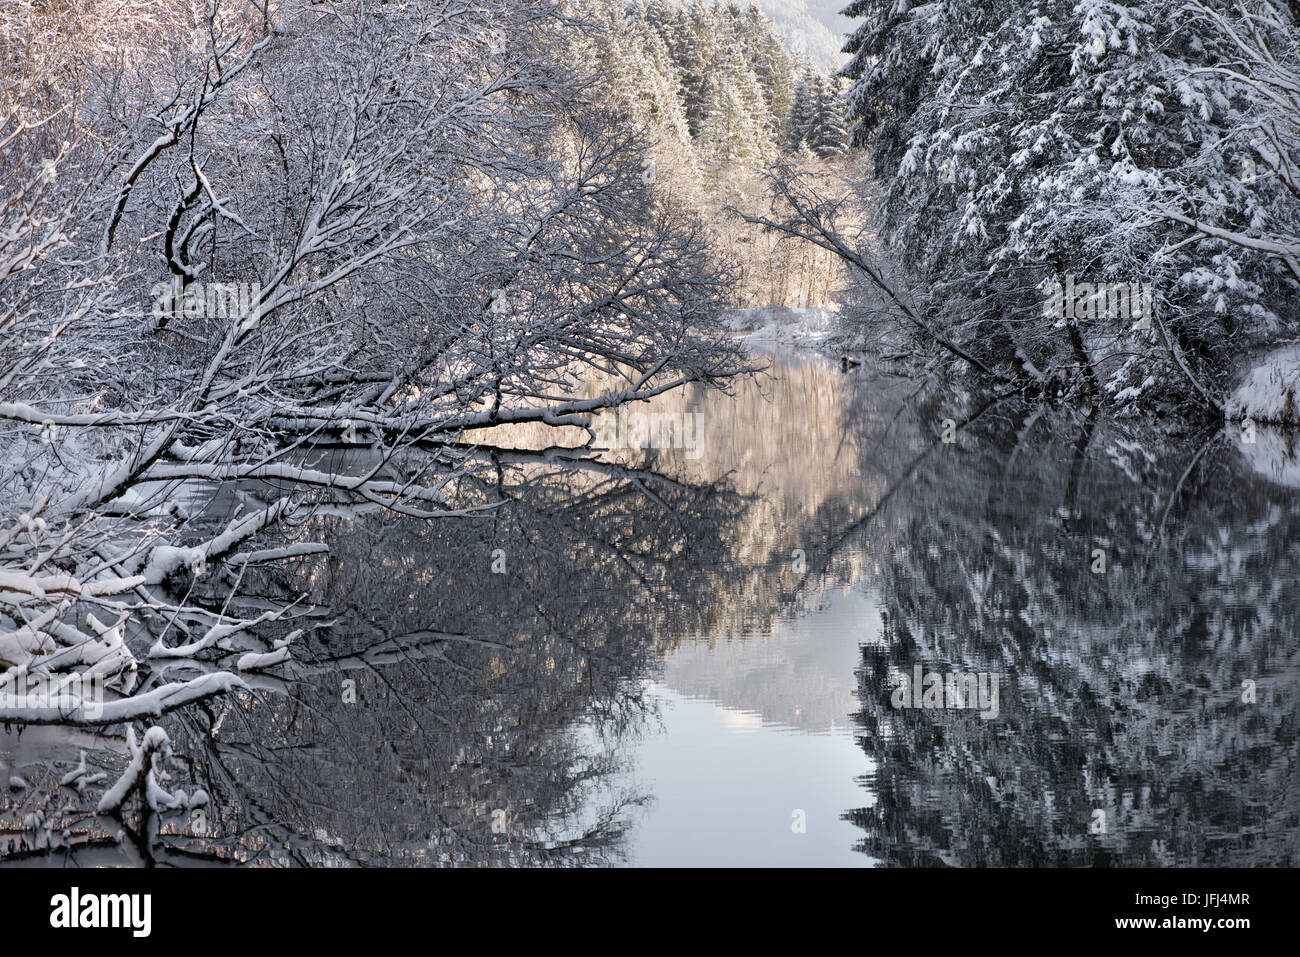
(813, 26)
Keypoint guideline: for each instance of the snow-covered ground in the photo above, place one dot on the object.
(1269, 397)
(768, 327)
(1270, 392)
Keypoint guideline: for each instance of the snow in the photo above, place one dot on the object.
(1270, 391)
(165, 559)
(769, 326)
(70, 710)
(147, 759)
(256, 662)
(80, 776)
(113, 797)
(1272, 455)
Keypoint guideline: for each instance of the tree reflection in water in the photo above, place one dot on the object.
(436, 712)
(1123, 737)
(429, 716)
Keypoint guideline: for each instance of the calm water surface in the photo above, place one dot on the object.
(692, 657)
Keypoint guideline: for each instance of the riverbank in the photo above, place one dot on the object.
(778, 327)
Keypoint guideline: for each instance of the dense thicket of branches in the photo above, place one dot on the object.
(264, 263)
(1155, 141)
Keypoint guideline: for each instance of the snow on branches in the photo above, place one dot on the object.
(429, 227)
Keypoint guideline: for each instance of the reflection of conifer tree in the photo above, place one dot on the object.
(1122, 691)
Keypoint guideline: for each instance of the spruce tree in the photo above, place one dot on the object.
(826, 133)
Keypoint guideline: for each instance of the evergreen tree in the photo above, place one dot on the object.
(826, 132)
(696, 52)
(733, 127)
(801, 110)
(633, 52)
(724, 65)
(1015, 137)
(769, 60)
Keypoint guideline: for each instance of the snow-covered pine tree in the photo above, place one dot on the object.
(634, 54)
(695, 49)
(801, 110)
(734, 127)
(1016, 138)
(769, 60)
(826, 132)
(732, 76)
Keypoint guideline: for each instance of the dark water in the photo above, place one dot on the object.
(691, 656)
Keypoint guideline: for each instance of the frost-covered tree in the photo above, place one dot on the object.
(733, 84)
(796, 124)
(817, 118)
(733, 128)
(636, 57)
(1013, 138)
(273, 269)
(1262, 62)
(736, 81)
(769, 60)
(828, 136)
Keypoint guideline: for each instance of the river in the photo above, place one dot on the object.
(704, 655)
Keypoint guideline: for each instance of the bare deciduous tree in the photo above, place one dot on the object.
(264, 263)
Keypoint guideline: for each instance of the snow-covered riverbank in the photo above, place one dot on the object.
(1270, 391)
(779, 327)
